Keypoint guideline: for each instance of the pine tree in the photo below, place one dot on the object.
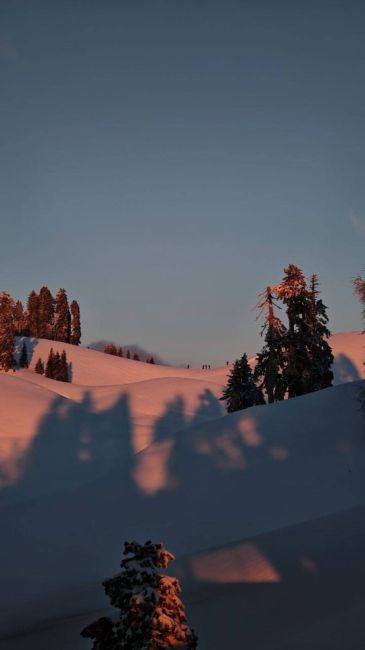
(62, 328)
(110, 348)
(295, 295)
(359, 286)
(270, 362)
(152, 616)
(46, 314)
(23, 359)
(120, 351)
(63, 374)
(241, 391)
(128, 354)
(32, 316)
(7, 331)
(151, 360)
(57, 373)
(39, 367)
(75, 323)
(319, 348)
(136, 357)
(50, 365)
(19, 318)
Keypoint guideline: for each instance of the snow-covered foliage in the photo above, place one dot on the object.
(152, 616)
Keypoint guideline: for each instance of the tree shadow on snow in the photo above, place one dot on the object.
(205, 482)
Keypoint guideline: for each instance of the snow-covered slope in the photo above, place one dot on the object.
(263, 508)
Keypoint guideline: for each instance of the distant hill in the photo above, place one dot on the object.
(134, 349)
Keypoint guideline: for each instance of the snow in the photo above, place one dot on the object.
(263, 509)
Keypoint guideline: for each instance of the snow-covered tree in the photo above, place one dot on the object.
(39, 367)
(62, 326)
(46, 314)
(270, 362)
(75, 323)
(241, 391)
(152, 616)
(23, 358)
(7, 331)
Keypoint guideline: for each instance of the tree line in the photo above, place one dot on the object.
(296, 358)
(117, 351)
(45, 316)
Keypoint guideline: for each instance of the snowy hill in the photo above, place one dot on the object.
(263, 508)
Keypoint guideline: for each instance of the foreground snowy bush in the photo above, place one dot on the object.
(152, 615)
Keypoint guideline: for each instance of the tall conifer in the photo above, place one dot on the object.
(75, 323)
(19, 318)
(270, 362)
(32, 316)
(46, 313)
(294, 293)
(319, 348)
(7, 331)
(50, 365)
(63, 374)
(62, 327)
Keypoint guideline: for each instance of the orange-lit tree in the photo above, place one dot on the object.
(152, 616)
(271, 361)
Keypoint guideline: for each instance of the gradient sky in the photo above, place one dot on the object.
(164, 160)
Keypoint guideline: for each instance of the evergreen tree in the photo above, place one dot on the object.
(23, 359)
(7, 331)
(241, 391)
(319, 348)
(128, 354)
(63, 374)
(32, 316)
(295, 295)
(50, 365)
(151, 360)
(75, 323)
(359, 286)
(39, 367)
(46, 314)
(19, 323)
(110, 348)
(270, 362)
(152, 616)
(120, 351)
(62, 328)
(136, 357)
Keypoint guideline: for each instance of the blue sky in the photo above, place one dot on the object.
(164, 160)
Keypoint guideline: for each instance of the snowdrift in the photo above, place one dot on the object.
(263, 508)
